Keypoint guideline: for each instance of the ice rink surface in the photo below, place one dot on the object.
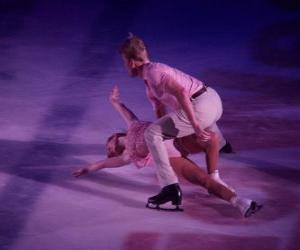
(58, 63)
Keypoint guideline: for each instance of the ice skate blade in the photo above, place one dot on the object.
(254, 207)
(157, 207)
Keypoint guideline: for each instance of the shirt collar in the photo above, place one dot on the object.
(144, 69)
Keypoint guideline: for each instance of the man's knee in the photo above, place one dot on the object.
(212, 142)
(213, 139)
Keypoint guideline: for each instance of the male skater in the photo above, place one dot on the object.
(195, 109)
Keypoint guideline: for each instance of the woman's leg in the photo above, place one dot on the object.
(190, 171)
(189, 145)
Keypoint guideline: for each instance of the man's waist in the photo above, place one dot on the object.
(199, 92)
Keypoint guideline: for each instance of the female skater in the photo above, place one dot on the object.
(130, 147)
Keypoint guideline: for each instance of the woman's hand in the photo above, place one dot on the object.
(115, 94)
(80, 172)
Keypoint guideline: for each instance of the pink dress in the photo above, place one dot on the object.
(137, 148)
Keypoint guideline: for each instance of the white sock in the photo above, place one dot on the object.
(215, 174)
(241, 203)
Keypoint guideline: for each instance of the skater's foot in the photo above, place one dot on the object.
(227, 148)
(252, 209)
(246, 206)
(168, 193)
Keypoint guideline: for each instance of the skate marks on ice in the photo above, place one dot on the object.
(57, 126)
(193, 241)
(46, 153)
(51, 164)
(20, 194)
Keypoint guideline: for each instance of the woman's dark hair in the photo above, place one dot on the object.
(118, 148)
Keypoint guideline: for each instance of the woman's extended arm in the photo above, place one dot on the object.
(125, 112)
(113, 162)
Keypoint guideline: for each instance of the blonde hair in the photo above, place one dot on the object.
(119, 149)
(134, 48)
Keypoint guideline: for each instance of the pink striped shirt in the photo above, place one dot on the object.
(156, 75)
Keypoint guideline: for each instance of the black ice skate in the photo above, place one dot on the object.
(253, 208)
(168, 193)
(227, 148)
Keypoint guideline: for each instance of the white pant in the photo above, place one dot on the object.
(208, 109)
